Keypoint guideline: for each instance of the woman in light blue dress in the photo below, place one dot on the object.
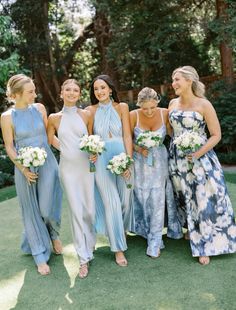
(152, 186)
(71, 123)
(202, 197)
(39, 194)
(113, 199)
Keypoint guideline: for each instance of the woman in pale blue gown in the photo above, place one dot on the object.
(39, 194)
(113, 198)
(152, 186)
(201, 194)
(71, 124)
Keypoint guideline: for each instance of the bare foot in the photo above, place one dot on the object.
(204, 260)
(83, 271)
(43, 269)
(120, 259)
(57, 246)
(186, 236)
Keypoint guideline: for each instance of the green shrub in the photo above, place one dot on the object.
(6, 179)
(223, 97)
(6, 165)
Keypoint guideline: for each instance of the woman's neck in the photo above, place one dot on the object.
(21, 105)
(105, 102)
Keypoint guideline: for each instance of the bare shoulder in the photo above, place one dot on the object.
(173, 103)
(40, 107)
(91, 108)
(85, 112)
(53, 117)
(204, 105)
(124, 106)
(6, 114)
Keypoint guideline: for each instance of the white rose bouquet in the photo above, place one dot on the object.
(31, 157)
(92, 144)
(119, 163)
(188, 142)
(149, 139)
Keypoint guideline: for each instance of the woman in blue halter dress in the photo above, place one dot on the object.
(78, 182)
(40, 194)
(113, 199)
(152, 187)
(201, 193)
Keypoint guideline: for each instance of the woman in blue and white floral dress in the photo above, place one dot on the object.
(152, 186)
(202, 197)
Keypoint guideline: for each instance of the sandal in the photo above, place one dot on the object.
(57, 246)
(204, 260)
(121, 260)
(43, 269)
(83, 271)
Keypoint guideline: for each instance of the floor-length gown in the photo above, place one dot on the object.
(78, 182)
(152, 191)
(113, 198)
(41, 201)
(202, 197)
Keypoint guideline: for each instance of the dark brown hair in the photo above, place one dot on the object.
(109, 82)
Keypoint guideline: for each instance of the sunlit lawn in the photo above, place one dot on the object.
(175, 281)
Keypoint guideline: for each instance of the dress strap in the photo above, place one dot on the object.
(162, 118)
(137, 120)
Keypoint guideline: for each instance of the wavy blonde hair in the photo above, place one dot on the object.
(68, 81)
(190, 73)
(147, 94)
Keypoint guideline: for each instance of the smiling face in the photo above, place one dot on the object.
(180, 84)
(148, 108)
(102, 91)
(27, 95)
(70, 93)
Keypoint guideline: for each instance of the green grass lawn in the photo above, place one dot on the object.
(175, 281)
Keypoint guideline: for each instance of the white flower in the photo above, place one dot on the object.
(119, 163)
(149, 139)
(188, 122)
(92, 144)
(232, 231)
(31, 156)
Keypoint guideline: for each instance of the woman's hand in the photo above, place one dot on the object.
(31, 177)
(93, 158)
(126, 174)
(141, 150)
(191, 156)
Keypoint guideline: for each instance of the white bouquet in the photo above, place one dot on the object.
(31, 157)
(188, 142)
(119, 163)
(92, 144)
(148, 139)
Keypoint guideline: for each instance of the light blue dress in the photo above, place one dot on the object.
(152, 191)
(112, 198)
(202, 197)
(41, 202)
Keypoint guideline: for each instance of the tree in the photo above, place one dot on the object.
(225, 41)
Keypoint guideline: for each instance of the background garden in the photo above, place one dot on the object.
(138, 43)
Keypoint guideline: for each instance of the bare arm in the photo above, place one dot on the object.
(126, 128)
(213, 126)
(8, 137)
(51, 131)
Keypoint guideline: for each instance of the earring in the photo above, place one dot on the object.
(110, 95)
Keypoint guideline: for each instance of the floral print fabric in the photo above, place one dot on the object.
(202, 199)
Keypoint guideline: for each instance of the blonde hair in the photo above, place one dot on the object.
(147, 94)
(69, 81)
(190, 73)
(16, 84)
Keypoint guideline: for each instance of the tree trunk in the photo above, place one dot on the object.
(226, 52)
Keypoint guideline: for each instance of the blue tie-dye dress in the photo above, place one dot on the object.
(201, 193)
